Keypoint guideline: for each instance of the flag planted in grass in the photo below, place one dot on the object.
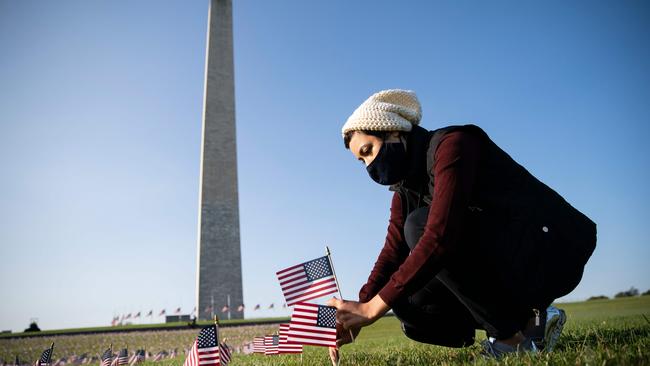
(138, 356)
(313, 324)
(46, 356)
(258, 345)
(271, 344)
(123, 357)
(205, 350)
(107, 357)
(308, 280)
(285, 346)
(226, 353)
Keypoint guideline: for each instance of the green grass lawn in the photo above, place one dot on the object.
(602, 332)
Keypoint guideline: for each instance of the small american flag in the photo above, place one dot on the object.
(226, 353)
(306, 281)
(225, 309)
(178, 310)
(123, 357)
(107, 357)
(258, 345)
(205, 350)
(240, 308)
(313, 324)
(138, 356)
(285, 346)
(271, 344)
(159, 356)
(162, 312)
(46, 356)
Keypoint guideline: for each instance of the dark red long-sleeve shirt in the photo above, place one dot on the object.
(396, 273)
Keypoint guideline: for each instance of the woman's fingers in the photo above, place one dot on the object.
(334, 302)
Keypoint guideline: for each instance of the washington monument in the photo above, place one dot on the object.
(219, 276)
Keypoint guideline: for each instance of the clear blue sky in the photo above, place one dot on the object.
(100, 121)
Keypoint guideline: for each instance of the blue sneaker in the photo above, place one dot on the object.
(555, 319)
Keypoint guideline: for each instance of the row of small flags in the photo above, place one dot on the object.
(107, 358)
(208, 310)
(241, 308)
(274, 344)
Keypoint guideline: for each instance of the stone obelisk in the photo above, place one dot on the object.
(219, 275)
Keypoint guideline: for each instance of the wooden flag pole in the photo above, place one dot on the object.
(338, 287)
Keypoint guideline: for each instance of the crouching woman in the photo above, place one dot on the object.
(474, 240)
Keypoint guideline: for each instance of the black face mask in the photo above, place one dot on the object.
(389, 166)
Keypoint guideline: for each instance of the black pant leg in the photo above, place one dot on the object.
(434, 315)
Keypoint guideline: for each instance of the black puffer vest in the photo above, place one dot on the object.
(526, 232)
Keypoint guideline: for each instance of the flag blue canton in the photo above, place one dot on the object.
(208, 337)
(326, 317)
(107, 355)
(318, 268)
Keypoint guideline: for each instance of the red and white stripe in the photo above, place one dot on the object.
(285, 346)
(297, 288)
(203, 356)
(258, 345)
(303, 328)
(226, 353)
(210, 356)
(192, 357)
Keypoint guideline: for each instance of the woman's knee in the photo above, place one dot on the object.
(414, 226)
(450, 337)
(438, 330)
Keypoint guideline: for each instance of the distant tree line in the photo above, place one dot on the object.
(627, 293)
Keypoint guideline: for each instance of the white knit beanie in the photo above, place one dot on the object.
(387, 110)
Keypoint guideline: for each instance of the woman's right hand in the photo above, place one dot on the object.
(343, 335)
